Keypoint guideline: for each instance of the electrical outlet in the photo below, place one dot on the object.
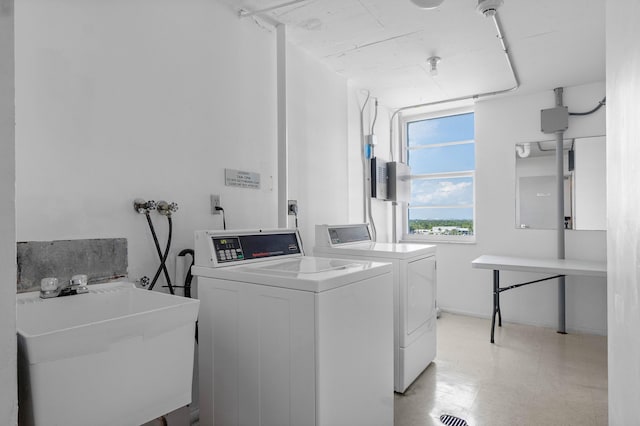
(292, 207)
(215, 202)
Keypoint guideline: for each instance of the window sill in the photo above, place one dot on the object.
(438, 239)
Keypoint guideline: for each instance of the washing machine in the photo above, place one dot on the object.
(289, 339)
(414, 292)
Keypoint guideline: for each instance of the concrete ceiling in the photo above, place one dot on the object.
(383, 45)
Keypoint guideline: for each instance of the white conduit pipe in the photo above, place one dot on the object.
(523, 150)
(365, 163)
(366, 175)
(246, 13)
(516, 85)
(374, 232)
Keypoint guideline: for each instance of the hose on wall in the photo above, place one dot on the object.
(163, 257)
(162, 266)
(166, 209)
(189, 278)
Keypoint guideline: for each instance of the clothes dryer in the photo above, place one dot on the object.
(288, 339)
(414, 292)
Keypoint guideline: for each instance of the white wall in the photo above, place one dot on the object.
(318, 151)
(623, 205)
(154, 99)
(590, 184)
(8, 377)
(143, 98)
(500, 123)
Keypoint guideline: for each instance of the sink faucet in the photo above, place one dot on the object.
(76, 285)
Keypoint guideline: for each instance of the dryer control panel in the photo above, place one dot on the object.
(336, 235)
(222, 248)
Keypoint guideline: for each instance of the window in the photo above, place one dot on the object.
(441, 153)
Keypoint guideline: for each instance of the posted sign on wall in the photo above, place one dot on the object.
(241, 179)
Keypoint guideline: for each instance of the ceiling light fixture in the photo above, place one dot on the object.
(433, 65)
(427, 4)
(488, 8)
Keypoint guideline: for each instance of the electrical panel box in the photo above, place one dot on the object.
(378, 178)
(399, 182)
(554, 120)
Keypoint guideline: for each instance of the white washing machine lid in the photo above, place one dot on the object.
(303, 266)
(306, 273)
(379, 250)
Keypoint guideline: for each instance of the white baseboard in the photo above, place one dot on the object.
(573, 330)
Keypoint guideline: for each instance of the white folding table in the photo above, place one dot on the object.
(557, 267)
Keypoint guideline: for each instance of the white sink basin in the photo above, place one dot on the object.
(117, 355)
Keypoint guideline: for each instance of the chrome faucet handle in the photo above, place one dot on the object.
(143, 207)
(165, 208)
(79, 283)
(49, 287)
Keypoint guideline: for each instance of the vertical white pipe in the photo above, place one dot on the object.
(560, 180)
(401, 159)
(283, 144)
(560, 214)
(394, 219)
(364, 160)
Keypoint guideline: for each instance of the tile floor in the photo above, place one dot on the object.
(530, 376)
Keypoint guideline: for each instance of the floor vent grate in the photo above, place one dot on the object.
(450, 420)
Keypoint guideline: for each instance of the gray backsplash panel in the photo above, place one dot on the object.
(102, 260)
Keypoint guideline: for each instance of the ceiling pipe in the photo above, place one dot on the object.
(500, 35)
(245, 13)
(523, 150)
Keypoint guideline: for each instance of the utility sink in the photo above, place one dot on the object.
(117, 355)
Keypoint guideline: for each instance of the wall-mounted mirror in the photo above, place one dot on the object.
(584, 189)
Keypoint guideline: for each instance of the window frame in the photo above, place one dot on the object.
(404, 122)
